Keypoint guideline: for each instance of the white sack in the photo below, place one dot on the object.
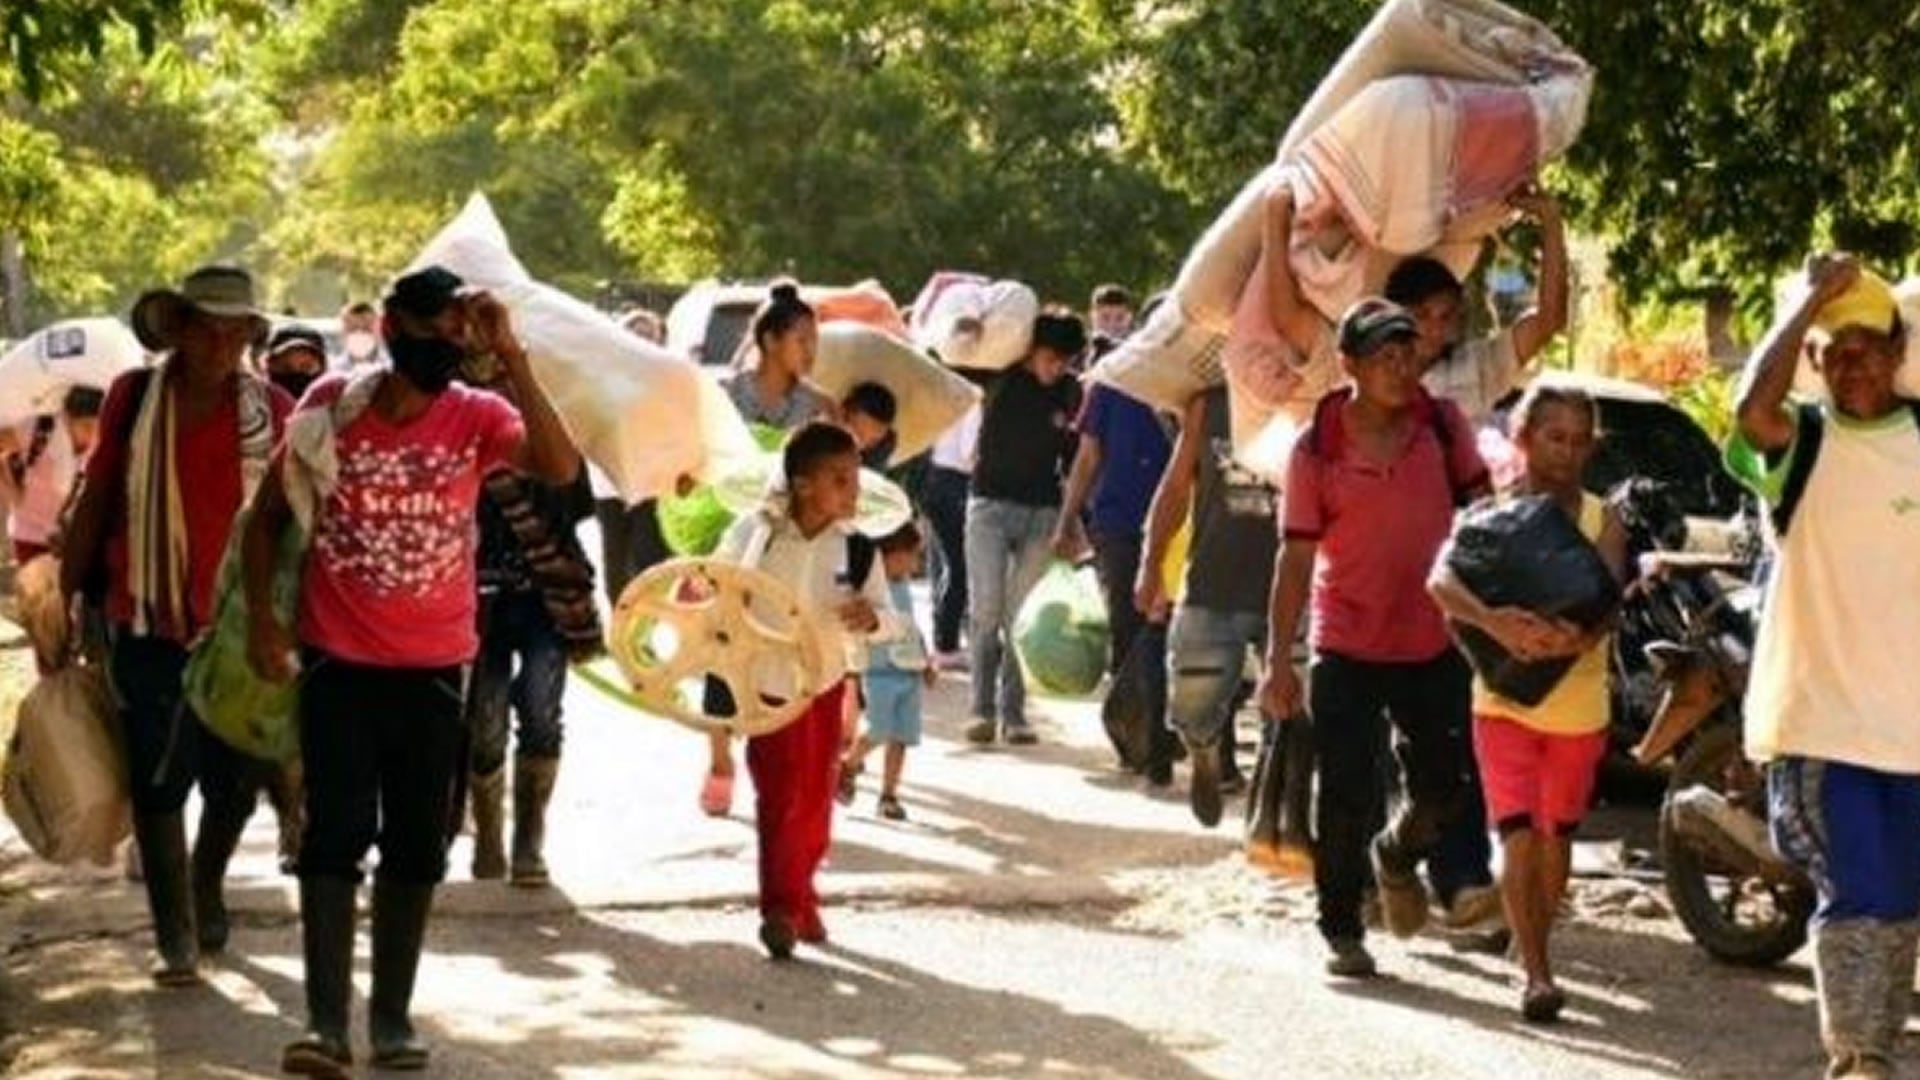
(644, 415)
(37, 372)
(931, 398)
(973, 322)
(65, 785)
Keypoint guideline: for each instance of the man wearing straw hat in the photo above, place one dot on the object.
(181, 447)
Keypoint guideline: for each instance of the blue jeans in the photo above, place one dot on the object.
(516, 626)
(1006, 555)
(1206, 660)
(1854, 831)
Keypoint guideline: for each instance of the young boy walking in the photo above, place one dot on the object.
(805, 537)
(897, 675)
(1831, 698)
(1538, 763)
(1369, 498)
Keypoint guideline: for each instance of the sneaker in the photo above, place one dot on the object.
(891, 809)
(1403, 897)
(1204, 795)
(317, 1055)
(1347, 958)
(778, 935)
(982, 732)
(1472, 906)
(716, 795)
(1021, 734)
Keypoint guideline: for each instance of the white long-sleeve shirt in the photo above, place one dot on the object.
(816, 568)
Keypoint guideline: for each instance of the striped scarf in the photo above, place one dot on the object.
(564, 579)
(157, 556)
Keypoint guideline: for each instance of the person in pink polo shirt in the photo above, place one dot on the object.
(1370, 494)
(386, 635)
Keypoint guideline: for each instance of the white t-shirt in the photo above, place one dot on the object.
(1834, 669)
(1477, 375)
(816, 569)
(955, 450)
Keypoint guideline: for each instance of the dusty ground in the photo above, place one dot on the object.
(1041, 915)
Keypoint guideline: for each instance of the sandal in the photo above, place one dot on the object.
(891, 809)
(716, 795)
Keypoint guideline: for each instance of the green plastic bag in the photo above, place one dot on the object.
(248, 713)
(1062, 634)
(692, 525)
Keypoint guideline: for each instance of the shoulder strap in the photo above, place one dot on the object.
(1443, 435)
(1808, 431)
(861, 553)
(1318, 443)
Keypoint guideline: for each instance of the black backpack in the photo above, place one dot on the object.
(1809, 430)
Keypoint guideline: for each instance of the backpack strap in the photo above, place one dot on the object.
(1807, 433)
(1320, 442)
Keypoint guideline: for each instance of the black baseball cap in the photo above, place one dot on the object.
(296, 337)
(1371, 323)
(425, 293)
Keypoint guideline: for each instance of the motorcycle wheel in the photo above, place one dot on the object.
(1738, 918)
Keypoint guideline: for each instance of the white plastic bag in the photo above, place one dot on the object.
(645, 416)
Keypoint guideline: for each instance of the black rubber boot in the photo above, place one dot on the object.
(163, 854)
(220, 827)
(326, 938)
(399, 931)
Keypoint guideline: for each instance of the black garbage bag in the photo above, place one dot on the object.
(1526, 552)
(1135, 711)
(1280, 810)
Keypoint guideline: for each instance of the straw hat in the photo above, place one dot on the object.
(221, 291)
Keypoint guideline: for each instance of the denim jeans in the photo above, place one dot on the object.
(1116, 560)
(1007, 550)
(1352, 703)
(516, 626)
(946, 509)
(381, 748)
(1206, 662)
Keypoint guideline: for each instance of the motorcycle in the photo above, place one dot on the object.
(1691, 617)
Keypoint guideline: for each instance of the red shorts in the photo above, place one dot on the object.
(1534, 780)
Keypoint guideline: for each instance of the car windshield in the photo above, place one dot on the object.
(1664, 444)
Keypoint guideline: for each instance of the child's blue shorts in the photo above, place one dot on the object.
(893, 707)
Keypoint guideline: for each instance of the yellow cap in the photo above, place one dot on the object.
(1868, 304)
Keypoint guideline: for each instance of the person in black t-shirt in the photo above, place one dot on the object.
(1026, 441)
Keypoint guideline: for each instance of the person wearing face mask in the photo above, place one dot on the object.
(386, 633)
(180, 447)
(296, 356)
(360, 334)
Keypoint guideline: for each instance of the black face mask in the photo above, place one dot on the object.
(428, 363)
(294, 383)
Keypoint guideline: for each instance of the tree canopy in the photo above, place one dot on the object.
(1065, 142)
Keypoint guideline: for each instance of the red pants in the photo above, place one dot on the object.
(794, 771)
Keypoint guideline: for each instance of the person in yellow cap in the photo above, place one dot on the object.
(1831, 699)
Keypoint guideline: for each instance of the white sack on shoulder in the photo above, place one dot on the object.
(929, 397)
(644, 415)
(973, 322)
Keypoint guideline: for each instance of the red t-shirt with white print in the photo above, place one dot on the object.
(390, 580)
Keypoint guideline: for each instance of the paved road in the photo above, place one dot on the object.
(1039, 916)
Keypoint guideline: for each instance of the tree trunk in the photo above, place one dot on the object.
(13, 271)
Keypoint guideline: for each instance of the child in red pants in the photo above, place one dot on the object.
(804, 538)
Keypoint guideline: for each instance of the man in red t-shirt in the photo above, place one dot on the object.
(1370, 494)
(177, 446)
(386, 633)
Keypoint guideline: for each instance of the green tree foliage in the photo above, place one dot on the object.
(835, 139)
(1726, 137)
